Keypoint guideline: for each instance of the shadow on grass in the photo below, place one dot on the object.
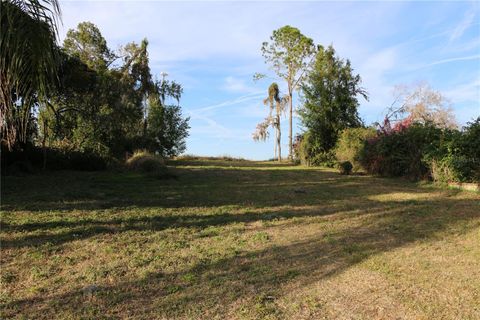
(231, 163)
(280, 194)
(196, 187)
(86, 227)
(258, 277)
(254, 278)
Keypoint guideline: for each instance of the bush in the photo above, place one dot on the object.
(308, 152)
(455, 168)
(401, 153)
(143, 161)
(351, 143)
(345, 167)
(423, 151)
(458, 157)
(146, 163)
(323, 159)
(31, 159)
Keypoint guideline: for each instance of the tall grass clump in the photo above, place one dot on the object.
(147, 163)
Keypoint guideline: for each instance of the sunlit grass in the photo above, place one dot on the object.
(237, 239)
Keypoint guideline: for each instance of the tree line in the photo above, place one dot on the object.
(327, 86)
(81, 96)
(419, 136)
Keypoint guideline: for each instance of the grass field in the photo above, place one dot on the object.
(237, 240)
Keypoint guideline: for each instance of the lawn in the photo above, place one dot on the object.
(237, 240)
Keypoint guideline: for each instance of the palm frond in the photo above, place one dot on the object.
(28, 60)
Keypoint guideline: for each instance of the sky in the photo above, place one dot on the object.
(213, 49)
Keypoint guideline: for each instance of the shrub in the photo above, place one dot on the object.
(143, 161)
(458, 157)
(471, 141)
(31, 159)
(454, 168)
(401, 153)
(323, 159)
(310, 154)
(146, 163)
(425, 151)
(351, 143)
(345, 167)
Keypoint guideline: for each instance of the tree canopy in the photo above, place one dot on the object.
(84, 96)
(289, 54)
(330, 92)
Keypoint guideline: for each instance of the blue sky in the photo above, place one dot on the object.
(213, 49)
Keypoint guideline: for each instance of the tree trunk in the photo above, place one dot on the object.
(44, 146)
(279, 139)
(275, 144)
(290, 139)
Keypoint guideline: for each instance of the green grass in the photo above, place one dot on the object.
(237, 240)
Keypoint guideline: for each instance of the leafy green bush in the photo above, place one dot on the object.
(455, 168)
(401, 153)
(323, 159)
(350, 144)
(309, 152)
(458, 157)
(425, 151)
(345, 167)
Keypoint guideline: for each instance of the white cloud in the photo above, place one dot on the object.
(241, 99)
(466, 92)
(455, 59)
(211, 128)
(462, 26)
(233, 84)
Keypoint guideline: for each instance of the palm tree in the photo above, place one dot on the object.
(278, 105)
(28, 62)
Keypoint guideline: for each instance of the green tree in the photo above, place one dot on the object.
(104, 108)
(28, 62)
(289, 53)
(110, 117)
(87, 44)
(331, 91)
(167, 128)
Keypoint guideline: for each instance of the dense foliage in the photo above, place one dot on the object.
(345, 167)
(423, 150)
(116, 109)
(350, 145)
(330, 104)
(307, 152)
(28, 63)
(100, 102)
(35, 158)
